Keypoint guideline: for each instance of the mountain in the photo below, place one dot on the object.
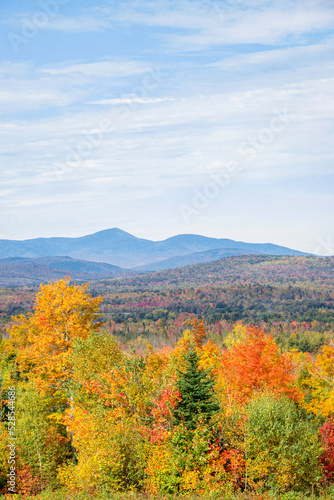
(117, 247)
(24, 271)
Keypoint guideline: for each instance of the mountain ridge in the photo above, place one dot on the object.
(120, 248)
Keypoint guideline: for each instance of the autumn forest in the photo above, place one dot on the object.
(209, 381)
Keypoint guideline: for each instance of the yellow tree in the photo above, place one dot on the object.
(113, 408)
(43, 341)
(37, 357)
(318, 378)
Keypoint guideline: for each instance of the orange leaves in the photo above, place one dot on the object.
(199, 331)
(27, 482)
(255, 365)
(163, 414)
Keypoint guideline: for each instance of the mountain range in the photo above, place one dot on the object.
(119, 248)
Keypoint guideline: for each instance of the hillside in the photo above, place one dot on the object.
(317, 272)
(119, 248)
(19, 271)
(252, 288)
(194, 258)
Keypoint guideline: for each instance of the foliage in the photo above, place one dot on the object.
(282, 450)
(162, 402)
(42, 341)
(42, 445)
(254, 364)
(195, 389)
(327, 457)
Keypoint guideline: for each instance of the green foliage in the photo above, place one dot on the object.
(195, 388)
(42, 445)
(282, 449)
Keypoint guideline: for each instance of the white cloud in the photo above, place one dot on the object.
(305, 56)
(169, 137)
(132, 99)
(179, 138)
(210, 24)
(25, 87)
(204, 23)
(100, 69)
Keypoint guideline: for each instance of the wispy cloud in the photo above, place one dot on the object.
(130, 99)
(211, 23)
(118, 69)
(196, 25)
(228, 69)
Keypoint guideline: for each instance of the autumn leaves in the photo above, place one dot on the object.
(92, 415)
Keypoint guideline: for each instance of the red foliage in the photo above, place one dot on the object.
(327, 458)
(27, 482)
(162, 414)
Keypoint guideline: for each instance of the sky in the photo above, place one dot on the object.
(210, 117)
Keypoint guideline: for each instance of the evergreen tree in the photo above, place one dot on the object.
(196, 391)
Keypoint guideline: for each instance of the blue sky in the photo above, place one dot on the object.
(168, 117)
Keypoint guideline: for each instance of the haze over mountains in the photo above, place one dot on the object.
(119, 248)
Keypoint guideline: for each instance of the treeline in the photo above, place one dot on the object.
(249, 303)
(316, 272)
(92, 414)
(162, 314)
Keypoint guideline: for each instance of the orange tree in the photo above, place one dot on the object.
(254, 365)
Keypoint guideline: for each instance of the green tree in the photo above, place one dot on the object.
(42, 445)
(197, 401)
(282, 448)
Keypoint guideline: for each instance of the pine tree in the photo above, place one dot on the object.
(196, 393)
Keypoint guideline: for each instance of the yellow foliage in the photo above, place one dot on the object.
(190, 480)
(321, 383)
(210, 356)
(42, 342)
(237, 335)
(158, 466)
(93, 440)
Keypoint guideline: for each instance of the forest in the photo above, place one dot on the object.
(209, 381)
(291, 298)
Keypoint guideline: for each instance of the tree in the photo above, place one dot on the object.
(254, 364)
(195, 389)
(42, 342)
(327, 457)
(321, 383)
(282, 449)
(37, 357)
(42, 445)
